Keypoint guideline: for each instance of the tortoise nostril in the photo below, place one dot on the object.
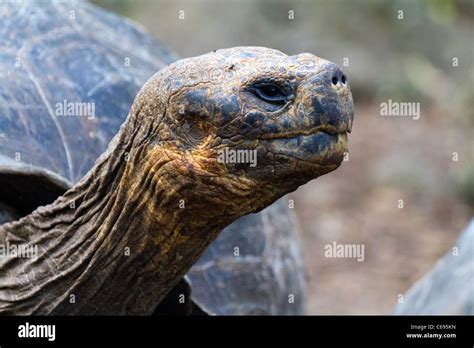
(343, 79)
(334, 80)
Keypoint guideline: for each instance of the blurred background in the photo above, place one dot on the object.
(423, 54)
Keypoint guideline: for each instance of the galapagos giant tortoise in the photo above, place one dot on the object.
(116, 233)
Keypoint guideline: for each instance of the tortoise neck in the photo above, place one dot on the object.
(120, 239)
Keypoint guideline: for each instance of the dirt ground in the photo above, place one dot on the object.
(390, 159)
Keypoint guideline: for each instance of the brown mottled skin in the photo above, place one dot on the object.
(295, 111)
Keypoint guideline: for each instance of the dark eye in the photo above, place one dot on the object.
(270, 92)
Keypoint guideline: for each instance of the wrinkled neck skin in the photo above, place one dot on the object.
(121, 238)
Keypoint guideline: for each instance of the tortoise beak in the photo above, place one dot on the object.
(331, 100)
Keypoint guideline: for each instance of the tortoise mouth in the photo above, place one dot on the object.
(321, 147)
(327, 129)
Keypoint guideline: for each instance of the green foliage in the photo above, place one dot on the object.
(123, 7)
(466, 187)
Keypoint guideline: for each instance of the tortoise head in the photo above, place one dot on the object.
(253, 115)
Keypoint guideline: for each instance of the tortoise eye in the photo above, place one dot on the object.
(270, 92)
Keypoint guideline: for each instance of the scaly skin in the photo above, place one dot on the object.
(124, 236)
